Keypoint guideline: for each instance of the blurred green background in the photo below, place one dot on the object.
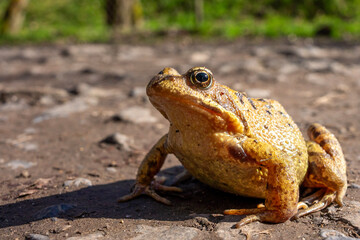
(85, 20)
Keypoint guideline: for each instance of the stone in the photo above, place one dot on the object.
(138, 92)
(92, 236)
(137, 115)
(77, 182)
(329, 234)
(13, 106)
(318, 66)
(30, 130)
(15, 164)
(79, 104)
(111, 169)
(121, 140)
(24, 174)
(33, 236)
(84, 89)
(28, 146)
(166, 233)
(311, 52)
(354, 185)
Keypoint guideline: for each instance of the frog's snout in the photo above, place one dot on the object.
(169, 71)
(154, 85)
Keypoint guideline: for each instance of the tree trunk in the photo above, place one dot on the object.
(123, 14)
(14, 16)
(199, 12)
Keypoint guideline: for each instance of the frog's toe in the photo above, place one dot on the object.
(244, 211)
(144, 190)
(325, 201)
(137, 191)
(302, 205)
(157, 197)
(140, 189)
(314, 197)
(253, 215)
(158, 186)
(261, 214)
(247, 220)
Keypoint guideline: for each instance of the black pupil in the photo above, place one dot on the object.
(202, 77)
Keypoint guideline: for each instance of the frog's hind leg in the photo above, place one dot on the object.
(282, 191)
(327, 170)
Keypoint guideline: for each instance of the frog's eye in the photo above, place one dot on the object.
(202, 79)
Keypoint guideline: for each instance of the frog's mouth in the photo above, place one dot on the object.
(210, 109)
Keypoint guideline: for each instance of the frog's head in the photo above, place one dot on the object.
(193, 93)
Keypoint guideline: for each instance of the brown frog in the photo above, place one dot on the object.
(245, 146)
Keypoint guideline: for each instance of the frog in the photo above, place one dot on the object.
(245, 146)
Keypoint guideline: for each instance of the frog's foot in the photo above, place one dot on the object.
(181, 177)
(261, 214)
(140, 189)
(313, 198)
(325, 200)
(300, 205)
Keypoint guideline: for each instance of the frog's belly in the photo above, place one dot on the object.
(229, 176)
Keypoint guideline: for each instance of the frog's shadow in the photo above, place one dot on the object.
(100, 202)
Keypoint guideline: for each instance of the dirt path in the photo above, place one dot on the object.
(58, 102)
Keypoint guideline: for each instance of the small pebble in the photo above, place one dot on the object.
(329, 234)
(30, 130)
(93, 236)
(28, 146)
(32, 236)
(138, 92)
(166, 232)
(121, 140)
(77, 182)
(354, 185)
(137, 115)
(111, 169)
(79, 104)
(15, 164)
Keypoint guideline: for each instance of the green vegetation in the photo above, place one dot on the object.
(84, 20)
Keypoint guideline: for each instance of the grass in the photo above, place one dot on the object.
(59, 21)
(84, 21)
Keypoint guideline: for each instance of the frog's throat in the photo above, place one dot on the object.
(210, 108)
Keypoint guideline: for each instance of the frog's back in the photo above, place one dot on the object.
(263, 119)
(267, 120)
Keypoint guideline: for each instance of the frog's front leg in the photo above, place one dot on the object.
(282, 194)
(150, 166)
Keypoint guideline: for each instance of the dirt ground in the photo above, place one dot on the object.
(57, 103)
